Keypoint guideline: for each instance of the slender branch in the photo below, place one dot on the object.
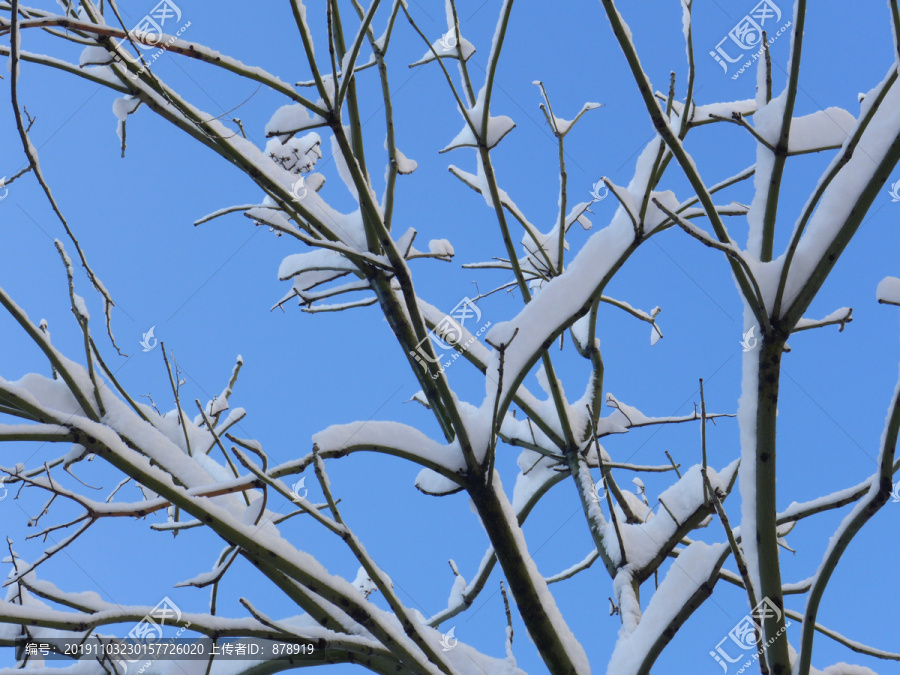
(661, 124)
(877, 496)
(781, 152)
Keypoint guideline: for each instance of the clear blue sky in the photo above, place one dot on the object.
(208, 291)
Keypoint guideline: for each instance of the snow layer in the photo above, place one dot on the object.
(441, 247)
(744, 107)
(825, 128)
(644, 541)
(400, 438)
(688, 572)
(569, 293)
(889, 290)
(840, 198)
(836, 315)
(290, 119)
(94, 56)
(405, 165)
(497, 127)
(747, 407)
(447, 47)
(767, 121)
